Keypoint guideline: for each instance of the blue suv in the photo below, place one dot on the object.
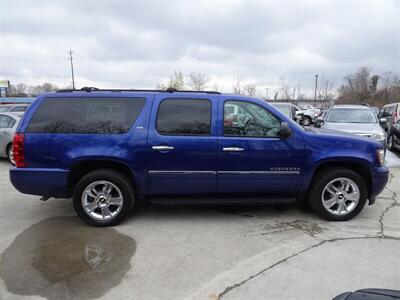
(109, 148)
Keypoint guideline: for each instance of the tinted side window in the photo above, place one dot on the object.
(184, 117)
(6, 122)
(86, 115)
(254, 121)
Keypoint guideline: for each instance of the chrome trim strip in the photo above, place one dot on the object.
(259, 172)
(159, 172)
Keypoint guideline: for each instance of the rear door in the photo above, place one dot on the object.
(182, 140)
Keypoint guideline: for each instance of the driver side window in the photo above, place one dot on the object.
(246, 119)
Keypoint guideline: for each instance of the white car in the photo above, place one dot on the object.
(357, 119)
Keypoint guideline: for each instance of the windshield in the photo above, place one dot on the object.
(4, 108)
(283, 108)
(351, 115)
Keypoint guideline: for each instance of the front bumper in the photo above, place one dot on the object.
(380, 177)
(40, 182)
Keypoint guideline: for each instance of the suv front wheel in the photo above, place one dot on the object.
(103, 197)
(338, 194)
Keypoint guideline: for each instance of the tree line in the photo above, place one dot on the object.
(359, 87)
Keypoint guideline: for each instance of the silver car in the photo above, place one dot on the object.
(8, 125)
(356, 119)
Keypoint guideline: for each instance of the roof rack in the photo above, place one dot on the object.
(168, 90)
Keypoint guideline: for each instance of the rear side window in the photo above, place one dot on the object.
(6, 122)
(184, 117)
(86, 115)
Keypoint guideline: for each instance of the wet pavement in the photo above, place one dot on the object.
(61, 258)
(248, 252)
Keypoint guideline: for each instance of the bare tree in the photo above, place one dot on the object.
(176, 81)
(325, 89)
(250, 89)
(197, 81)
(18, 90)
(237, 85)
(45, 87)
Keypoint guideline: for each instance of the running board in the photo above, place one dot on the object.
(220, 201)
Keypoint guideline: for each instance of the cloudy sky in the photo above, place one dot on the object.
(137, 44)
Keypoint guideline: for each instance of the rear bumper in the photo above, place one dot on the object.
(380, 178)
(41, 182)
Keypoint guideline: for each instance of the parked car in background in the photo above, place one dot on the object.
(320, 118)
(14, 108)
(391, 112)
(106, 149)
(292, 111)
(376, 110)
(393, 139)
(309, 115)
(370, 294)
(356, 119)
(8, 125)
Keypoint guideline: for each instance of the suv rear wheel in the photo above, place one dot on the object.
(338, 194)
(103, 197)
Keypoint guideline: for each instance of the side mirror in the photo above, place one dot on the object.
(285, 130)
(382, 121)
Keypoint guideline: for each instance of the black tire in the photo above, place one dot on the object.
(116, 178)
(321, 181)
(307, 121)
(10, 155)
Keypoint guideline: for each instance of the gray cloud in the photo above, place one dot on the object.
(138, 44)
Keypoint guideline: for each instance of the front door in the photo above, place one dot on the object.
(182, 143)
(252, 156)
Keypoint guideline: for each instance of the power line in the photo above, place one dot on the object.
(72, 68)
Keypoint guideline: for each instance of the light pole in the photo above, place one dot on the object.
(266, 93)
(72, 69)
(315, 92)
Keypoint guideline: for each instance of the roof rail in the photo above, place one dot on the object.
(168, 90)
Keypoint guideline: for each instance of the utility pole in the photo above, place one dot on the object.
(315, 92)
(266, 93)
(72, 69)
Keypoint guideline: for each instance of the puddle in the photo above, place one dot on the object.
(61, 258)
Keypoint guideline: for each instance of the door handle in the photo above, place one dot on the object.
(232, 149)
(162, 148)
(4, 132)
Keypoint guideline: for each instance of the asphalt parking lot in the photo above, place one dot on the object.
(262, 252)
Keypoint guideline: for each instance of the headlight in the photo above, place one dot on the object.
(381, 156)
(378, 136)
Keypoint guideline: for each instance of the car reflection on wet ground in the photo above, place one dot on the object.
(61, 258)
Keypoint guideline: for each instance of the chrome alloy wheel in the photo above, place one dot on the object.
(11, 156)
(340, 196)
(102, 200)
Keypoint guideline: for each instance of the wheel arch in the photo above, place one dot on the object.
(360, 167)
(81, 168)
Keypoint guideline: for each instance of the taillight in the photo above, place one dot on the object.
(18, 150)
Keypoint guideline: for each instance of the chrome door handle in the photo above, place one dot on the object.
(232, 149)
(162, 148)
